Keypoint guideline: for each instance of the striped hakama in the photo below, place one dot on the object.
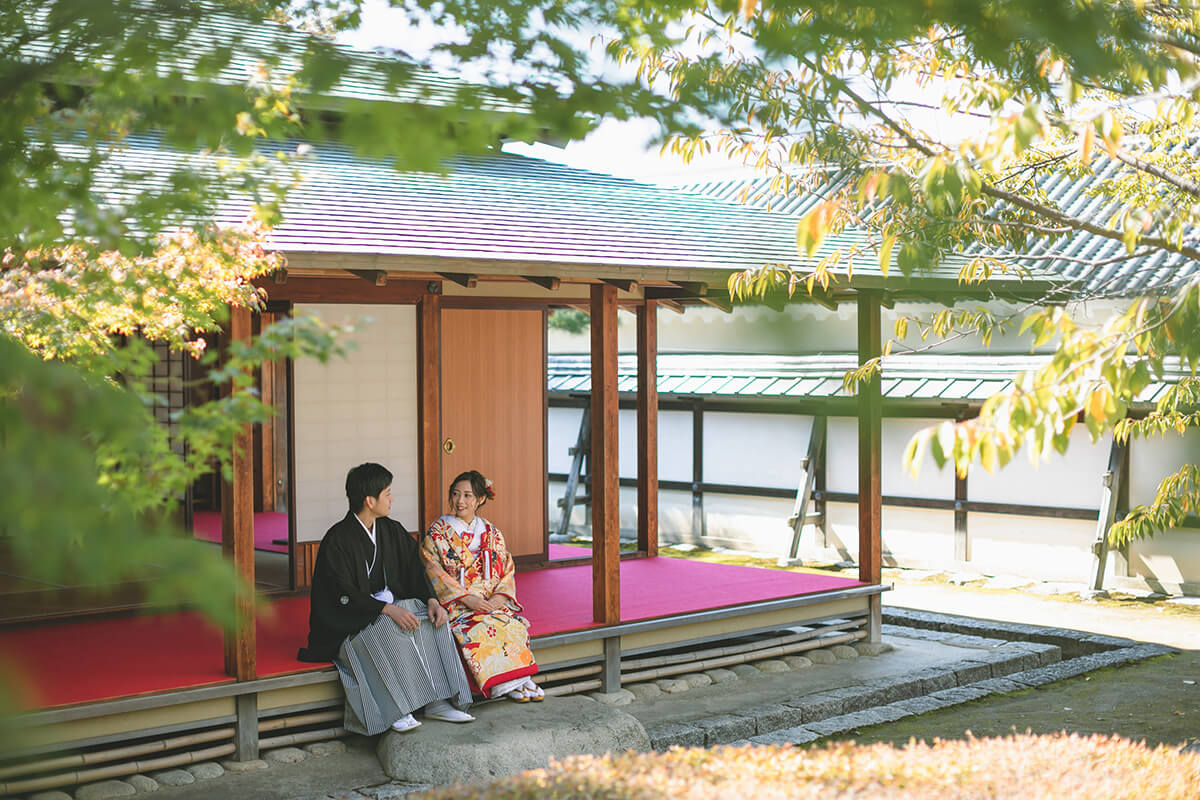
(388, 672)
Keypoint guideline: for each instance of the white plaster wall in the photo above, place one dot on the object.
(1171, 557)
(362, 407)
(841, 453)
(1071, 480)
(755, 449)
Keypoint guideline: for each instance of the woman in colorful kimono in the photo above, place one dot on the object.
(472, 572)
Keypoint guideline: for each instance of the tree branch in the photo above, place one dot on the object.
(1178, 181)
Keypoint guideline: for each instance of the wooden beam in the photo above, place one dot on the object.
(621, 283)
(692, 288)
(647, 432)
(671, 305)
(550, 284)
(342, 290)
(280, 276)
(720, 302)
(870, 491)
(429, 408)
(237, 527)
(775, 301)
(824, 298)
(463, 279)
(605, 486)
(374, 276)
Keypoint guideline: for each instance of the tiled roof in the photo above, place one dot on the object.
(950, 378)
(492, 211)
(1067, 257)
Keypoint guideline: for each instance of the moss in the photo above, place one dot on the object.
(1059, 766)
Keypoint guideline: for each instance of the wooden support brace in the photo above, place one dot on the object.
(800, 514)
(463, 279)
(280, 276)
(1110, 491)
(624, 284)
(375, 276)
(551, 284)
(671, 305)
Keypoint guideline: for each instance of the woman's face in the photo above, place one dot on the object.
(463, 501)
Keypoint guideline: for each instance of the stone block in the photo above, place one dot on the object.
(1032, 677)
(696, 679)
(1011, 659)
(960, 694)
(798, 662)
(969, 672)
(772, 665)
(285, 755)
(821, 705)
(796, 735)
(104, 790)
(821, 656)
(507, 738)
(621, 697)
(720, 675)
(53, 794)
(919, 705)
(672, 685)
(174, 777)
(998, 685)
(832, 725)
(206, 770)
(773, 717)
(243, 766)
(672, 734)
(392, 791)
(844, 652)
(934, 680)
(142, 783)
(894, 687)
(872, 648)
(726, 728)
(647, 690)
(744, 670)
(323, 749)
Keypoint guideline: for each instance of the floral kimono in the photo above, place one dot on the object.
(464, 559)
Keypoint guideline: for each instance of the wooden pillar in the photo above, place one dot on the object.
(647, 421)
(245, 731)
(605, 485)
(699, 526)
(237, 528)
(870, 486)
(429, 411)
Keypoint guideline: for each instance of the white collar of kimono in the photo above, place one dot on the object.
(475, 527)
(370, 531)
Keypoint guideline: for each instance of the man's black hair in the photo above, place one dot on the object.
(366, 480)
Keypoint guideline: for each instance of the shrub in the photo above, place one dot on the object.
(1059, 766)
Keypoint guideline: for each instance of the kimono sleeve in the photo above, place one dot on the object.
(503, 579)
(435, 553)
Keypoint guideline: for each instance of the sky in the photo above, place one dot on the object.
(618, 148)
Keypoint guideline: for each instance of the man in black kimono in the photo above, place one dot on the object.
(374, 614)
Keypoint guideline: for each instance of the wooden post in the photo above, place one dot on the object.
(606, 530)
(647, 421)
(610, 675)
(870, 488)
(265, 436)
(429, 406)
(245, 732)
(699, 523)
(962, 540)
(237, 528)
(1111, 480)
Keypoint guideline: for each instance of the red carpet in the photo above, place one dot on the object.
(269, 527)
(77, 662)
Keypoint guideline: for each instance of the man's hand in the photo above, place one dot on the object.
(437, 614)
(403, 617)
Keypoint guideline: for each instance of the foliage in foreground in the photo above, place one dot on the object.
(1018, 767)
